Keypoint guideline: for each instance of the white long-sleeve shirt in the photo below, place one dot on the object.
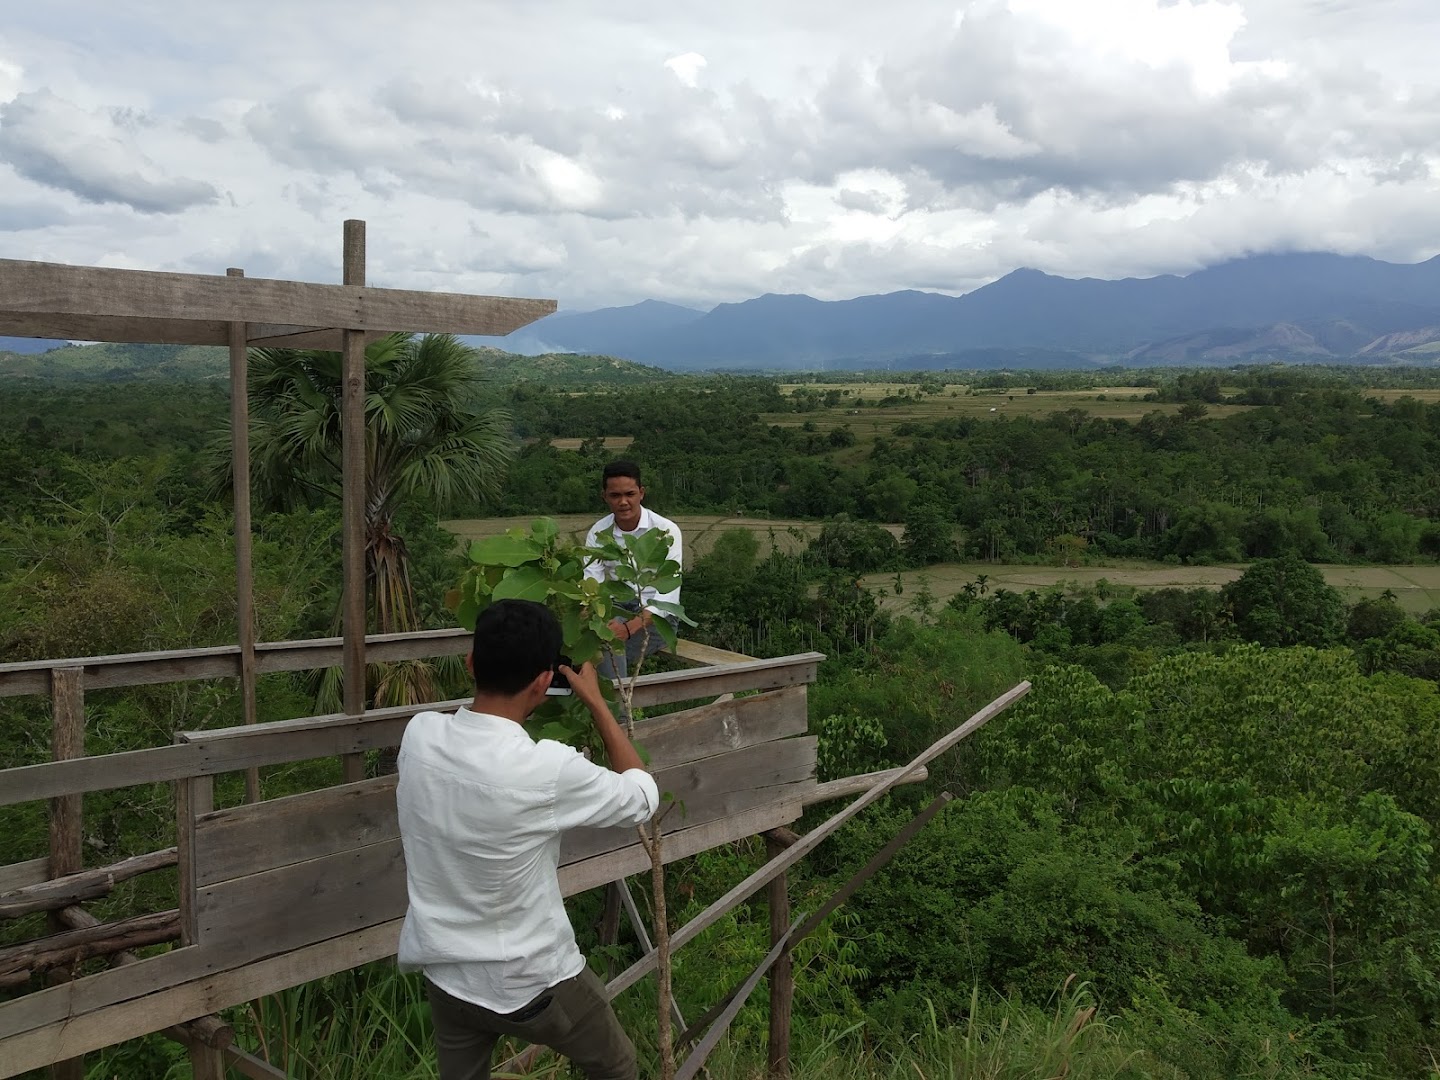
(603, 569)
(482, 807)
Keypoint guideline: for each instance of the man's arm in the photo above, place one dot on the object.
(619, 751)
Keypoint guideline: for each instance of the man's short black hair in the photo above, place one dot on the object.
(620, 468)
(515, 640)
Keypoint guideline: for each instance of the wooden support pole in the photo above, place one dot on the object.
(193, 797)
(782, 975)
(67, 739)
(70, 947)
(610, 922)
(352, 424)
(206, 1063)
(240, 487)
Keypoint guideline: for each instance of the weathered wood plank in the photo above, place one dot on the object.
(22, 875)
(862, 782)
(72, 946)
(245, 840)
(38, 288)
(279, 910)
(714, 729)
(695, 653)
(111, 328)
(717, 787)
(247, 1064)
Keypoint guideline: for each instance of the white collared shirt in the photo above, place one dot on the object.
(482, 807)
(602, 569)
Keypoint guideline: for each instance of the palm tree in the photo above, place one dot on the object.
(423, 442)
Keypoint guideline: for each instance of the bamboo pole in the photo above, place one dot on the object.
(67, 740)
(244, 541)
(352, 423)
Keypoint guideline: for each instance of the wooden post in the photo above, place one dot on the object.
(240, 487)
(782, 975)
(194, 796)
(610, 923)
(67, 740)
(352, 422)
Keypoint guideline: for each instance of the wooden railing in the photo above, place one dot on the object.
(279, 892)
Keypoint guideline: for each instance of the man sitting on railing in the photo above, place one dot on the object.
(482, 807)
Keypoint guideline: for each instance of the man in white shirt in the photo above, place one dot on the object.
(624, 494)
(482, 807)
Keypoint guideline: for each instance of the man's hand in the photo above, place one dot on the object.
(585, 685)
(620, 628)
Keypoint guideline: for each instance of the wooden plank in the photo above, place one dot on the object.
(111, 328)
(696, 653)
(717, 787)
(73, 946)
(223, 661)
(193, 798)
(245, 840)
(578, 877)
(715, 729)
(39, 288)
(22, 875)
(354, 484)
(206, 1063)
(67, 741)
(280, 910)
(231, 749)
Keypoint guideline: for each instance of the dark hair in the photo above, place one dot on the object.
(620, 468)
(515, 640)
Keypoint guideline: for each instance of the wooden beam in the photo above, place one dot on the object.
(782, 974)
(256, 1068)
(84, 885)
(846, 786)
(40, 289)
(22, 875)
(67, 735)
(18, 962)
(67, 327)
(354, 497)
(244, 541)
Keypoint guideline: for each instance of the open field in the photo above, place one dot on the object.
(1416, 587)
(611, 442)
(1115, 402)
(1430, 397)
(698, 530)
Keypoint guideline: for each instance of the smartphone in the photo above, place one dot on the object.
(560, 685)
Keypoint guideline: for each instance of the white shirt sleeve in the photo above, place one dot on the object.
(677, 553)
(595, 568)
(589, 794)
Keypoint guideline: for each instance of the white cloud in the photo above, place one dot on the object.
(605, 153)
(687, 67)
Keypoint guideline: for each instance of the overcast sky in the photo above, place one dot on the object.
(605, 152)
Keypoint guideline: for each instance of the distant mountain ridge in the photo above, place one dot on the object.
(1317, 307)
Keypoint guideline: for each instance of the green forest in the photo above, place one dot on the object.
(1202, 847)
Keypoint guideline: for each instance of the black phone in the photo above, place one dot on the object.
(559, 684)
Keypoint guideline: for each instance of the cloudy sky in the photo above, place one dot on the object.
(606, 152)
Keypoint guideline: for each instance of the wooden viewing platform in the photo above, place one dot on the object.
(272, 893)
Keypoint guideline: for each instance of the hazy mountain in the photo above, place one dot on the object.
(1296, 307)
(25, 345)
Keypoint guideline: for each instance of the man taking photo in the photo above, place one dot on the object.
(482, 807)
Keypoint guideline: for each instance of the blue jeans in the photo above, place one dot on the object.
(642, 643)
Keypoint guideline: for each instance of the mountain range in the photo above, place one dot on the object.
(1293, 307)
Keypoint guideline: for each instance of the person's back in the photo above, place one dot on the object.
(482, 808)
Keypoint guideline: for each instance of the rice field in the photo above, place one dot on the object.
(958, 400)
(1416, 587)
(699, 531)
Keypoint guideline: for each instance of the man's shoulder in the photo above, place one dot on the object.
(660, 521)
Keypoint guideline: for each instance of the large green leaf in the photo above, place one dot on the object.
(504, 551)
(522, 583)
(544, 529)
(666, 632)
(668, 608)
